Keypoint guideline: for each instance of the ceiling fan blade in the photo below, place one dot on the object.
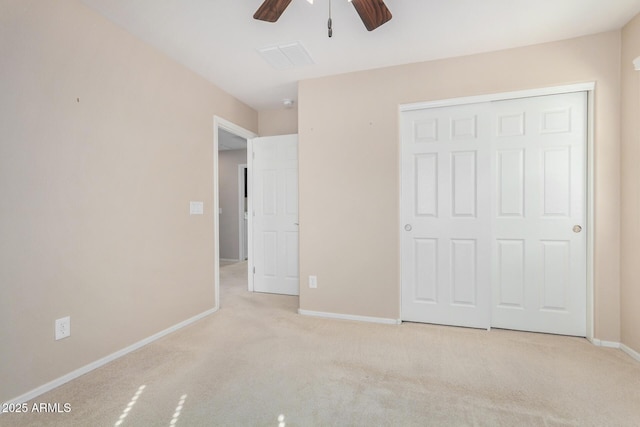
(372, 12)
(271, 10)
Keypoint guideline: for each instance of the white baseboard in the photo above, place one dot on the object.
(350, 317)
(230, 260)
(612, 344)
(101, 362)
(631, 352)
(607, 344)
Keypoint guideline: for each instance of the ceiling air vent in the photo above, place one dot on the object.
(286, 56)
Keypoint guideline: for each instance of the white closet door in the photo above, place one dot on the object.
(539, 245)
(275, 222)
(446, 237)
(493, 214)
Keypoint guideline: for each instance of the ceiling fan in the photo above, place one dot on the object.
(372, 12)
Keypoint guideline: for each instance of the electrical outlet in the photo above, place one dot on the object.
(63, 328)
(313, 282)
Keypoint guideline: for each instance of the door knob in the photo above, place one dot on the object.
(577, 229)
(408, 227)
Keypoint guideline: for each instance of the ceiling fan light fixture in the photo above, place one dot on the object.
(373, 13)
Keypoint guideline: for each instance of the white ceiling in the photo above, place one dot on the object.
(230, 141)
(219, 39)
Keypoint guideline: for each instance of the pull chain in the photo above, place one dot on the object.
(330, 23)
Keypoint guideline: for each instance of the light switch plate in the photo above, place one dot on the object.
(196, 208)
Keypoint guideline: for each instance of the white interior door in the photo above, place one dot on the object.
(493, 205)
(539, 246)
(275, 210)
(446, 237)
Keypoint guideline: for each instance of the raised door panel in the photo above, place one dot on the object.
(556, 270)
(464, 184)
(426, 185)
(268, 183)
(463, 276)
(510, 183)
(270, 254)
(556, 181)
(510, 279)
(425, 286)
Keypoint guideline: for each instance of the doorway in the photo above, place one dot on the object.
(230, 148)
(232, 157)
(494, 213)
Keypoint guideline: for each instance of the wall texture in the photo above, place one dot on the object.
(281, 121)
(104, 142)
(630, 289)
(349, 167)
(228, 162)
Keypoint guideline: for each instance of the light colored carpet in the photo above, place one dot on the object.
(258, 363)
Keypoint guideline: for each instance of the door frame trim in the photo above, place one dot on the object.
(250, 259)
(220, 123)
(503, 96)
(589, 88)
(241, 233)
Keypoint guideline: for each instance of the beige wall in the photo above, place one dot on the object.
(228, 162)
(349, 173)
(103, 143)
(630, 289)
(281, 121)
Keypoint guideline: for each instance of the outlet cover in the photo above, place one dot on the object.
(63, 327)
(313, 282)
